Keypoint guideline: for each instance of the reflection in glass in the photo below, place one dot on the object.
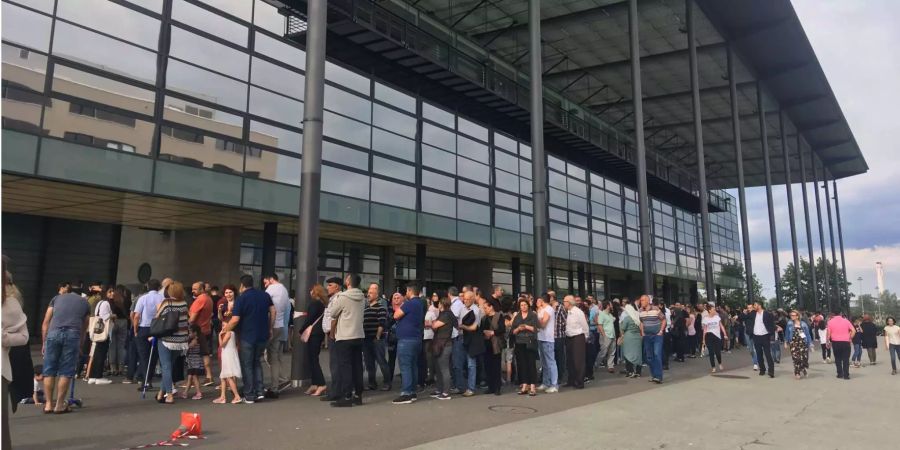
(102, 90)
(473, 212)
(395, 121)
(506, 200)
(102, 52)
(112, 19)
(277, 78)
(344, 182)
(506, 219)
(391, 144)
(506, 181)
(209, 22)
(472, 129)
(23, 84)
(473, 170)
(438, 181)
(273, 166)
(348, 104)
(506, 143)
(393, 169)
(195, 149)
(97, 127)
(191, 114)
(438, 137)
(438, 115)
(505, 161)
(238, 8)
(279, 50)
(472, 149)
(346, 78)
(272, 106)
(206, 85)
(473, 191)
(264, 133)
(441, 205)
(344, 155)
(206, 53)
(347, 130)
(396, 194)
(25, 27)
(438, 159)
(267, 17)
(395, 98)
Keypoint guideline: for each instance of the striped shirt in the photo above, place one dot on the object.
(561, 316)
(179, 340)
(374, 316)
(652, 320)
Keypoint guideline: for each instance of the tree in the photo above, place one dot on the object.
(824, 287)
(881, 307)
(737, 298)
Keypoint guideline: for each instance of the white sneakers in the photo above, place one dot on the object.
(542, 388)
(551, 390)
(99, 381)
(756, 367)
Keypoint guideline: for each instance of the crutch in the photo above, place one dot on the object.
(147, 375)
(90, 364)
(72, 401)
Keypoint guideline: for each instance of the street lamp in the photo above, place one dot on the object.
(861, 301)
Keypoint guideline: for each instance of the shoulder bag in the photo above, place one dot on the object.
(97, 327)
(165, 324)
(304, 336)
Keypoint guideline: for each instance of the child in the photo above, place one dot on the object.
(37, 397)
(195, 367)
(231, 367)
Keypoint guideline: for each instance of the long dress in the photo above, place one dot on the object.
(631, 341)
(799, 351)
(231, 363)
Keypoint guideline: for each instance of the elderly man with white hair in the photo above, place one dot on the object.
(576, 338)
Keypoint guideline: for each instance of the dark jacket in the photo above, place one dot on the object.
(768, 321)
(869, 335)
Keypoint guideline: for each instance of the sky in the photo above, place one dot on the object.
(856, 44)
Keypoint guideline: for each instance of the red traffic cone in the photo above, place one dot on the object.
(191, 425)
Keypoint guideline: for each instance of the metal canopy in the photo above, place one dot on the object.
(586, 58)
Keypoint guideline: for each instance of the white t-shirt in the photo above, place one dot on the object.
(430, 316)
(326, 316)
(893, 334)
(281, 300)
(103, 310)
(457, 307)
(547, 333)
(711, 324)
(759, 326)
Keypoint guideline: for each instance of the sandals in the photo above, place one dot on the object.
(64, 411)
(237, 401)
(219, 401)
(532, 393)
(197, 396)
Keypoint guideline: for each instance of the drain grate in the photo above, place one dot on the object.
(512, 409)
(732, 377)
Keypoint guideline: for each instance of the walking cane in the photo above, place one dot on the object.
(147, 375)
(90, 365)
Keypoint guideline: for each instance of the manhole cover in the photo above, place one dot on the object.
(734, 377)
(512, 409)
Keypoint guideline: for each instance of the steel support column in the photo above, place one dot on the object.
(835, 291)
(539, 160)
(739, 160)
(516, 277)
(710, 280)
(809, 239)
(767, 166)
(311, 171)
(845, 294)
(826, 300)
(790, 200)
(640, 148)
(270, 240)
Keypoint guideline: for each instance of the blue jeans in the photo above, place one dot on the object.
(374, 351)
(251, 368)
(750, 347)
(472, 363)
(61, 352)
(857, 352)
(459, 364)
(549, 372)
(776, 350)
(653, 354)
(166, 358)
(408, 356)
(894, 351)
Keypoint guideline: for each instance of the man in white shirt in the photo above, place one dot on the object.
(576, 339)
(143, 314)
(276, 376)
(546, 340)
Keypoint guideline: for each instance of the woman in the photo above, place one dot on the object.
(892, 342)
(226, 304)
(823, 342)
(314, 312)
(524, 328)
(631, 342)
(15, 333)
(698, 329)
(870, 338)
(100, 349)
(494, 329)
(799, 338)
(172, 346)
(430, 315)
(119, 331)
(857, 343)
(441, 346)
(713, 335)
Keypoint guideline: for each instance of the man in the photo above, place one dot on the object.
(840, 333)
(144, 312)
(473, 340)
(559, 335)
(763, 329)
(333, 288)
(547, 320)
(576, 337)
(200, 317)
(606, 329)
(253, 316)
(679, 331)
(63, 337)
(458, 308)
(668, 343)
(593, 341)
(653, 325)
(347, 312)
(747, 316)
(410, 319)
(277, 376)
(374, 323)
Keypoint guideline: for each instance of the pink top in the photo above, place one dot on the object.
(839, 329)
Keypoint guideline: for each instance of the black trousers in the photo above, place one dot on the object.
(313, 349)
(763, 347)
(559, 353)
(680, 341)
(99, 359)
(592, 349)
(667, 349)
(145, 355)
(526, 364)
(349, 368)
(714, 348)
(841, 358)
(492, 371)
(575, 350)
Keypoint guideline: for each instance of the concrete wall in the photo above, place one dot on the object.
(210, 254)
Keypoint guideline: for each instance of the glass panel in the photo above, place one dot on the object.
(394, 97)
(556, 180)
(74, 163)
(238, 8)
(475, 234)
(576, 187)
(473, 212)
(266, 134)
(505, 143)
(472, 129)
(23, 82)
(578, 236)
(347, 130)
(437, 227)
(439, 159)
(198, 150)
(473, 170)
(389, 193)
(112, 19)
(506, 200)
(279, 50)
(25, 27)
(527, 206)
(578, 219)
(272, 166)
(506, 181)
(507, 162)
(525, 151)
(395, 121)
(472, 149)
(275, 107)
(395, 219)
(556, 163)
(558, 197)
(345, 156)
(393, 169)
(97, 127)
(438, 115)
(19, 151)
(391, 144)
(438, 181)
(438, 137)
(102, 52)
(558, 214)
(578, 204)
(193, 115)
(441, 205)
(350, 105)
(559, 232)
(575, 171)
(203, 84)
(525, 187)
(40, 5)
(204, 52)
(271, 197)
(344, 182)
(473, 191)
(506, 219)
(93, 87)
(346, 78)
(277, 78)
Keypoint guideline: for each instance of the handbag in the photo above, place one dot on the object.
(304, 336)
(164, 324)
(98, 328)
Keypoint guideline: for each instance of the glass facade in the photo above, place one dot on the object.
(206, 105)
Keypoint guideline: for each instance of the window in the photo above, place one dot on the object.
(24, 27)
(473, 212)
(393, 169)
(438, 181)
(395, 98)
(101, 114)
(197, 111)
(229, 146)
(438, 137)
(507, 162)
(505, 143)
(182, 134)
(473, 170)
(438, 159)
(21, 94)
(209, 86)
(102, 52)
(472, 149)
(206, 53)
(345, 156)
(441, 205)
(395, 194)
(276, 78)
(394, 121)
(392, 144)
(506, 219)
(344, 182)
(279, 50)
(113, 19)
(348, 104)
(472, 129)
(473, 191)
(347, 130)
(437, 115)
(210, 22)
(344, 77)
